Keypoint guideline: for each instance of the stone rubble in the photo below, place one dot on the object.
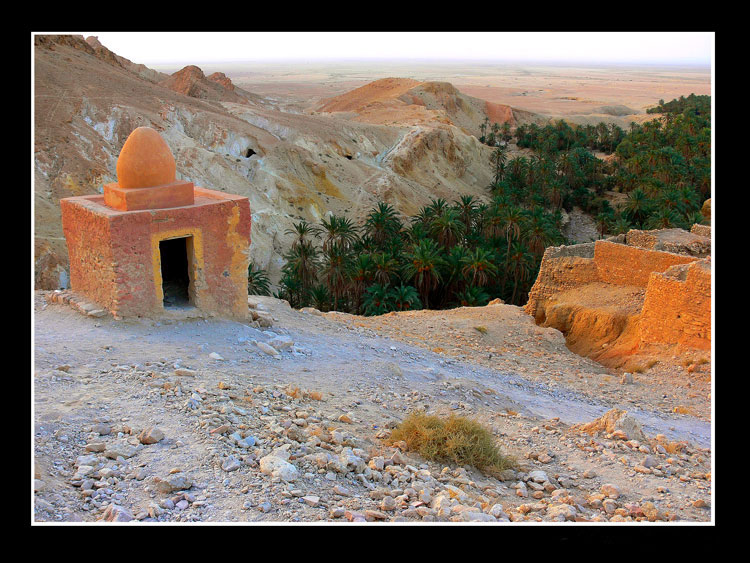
(215, 445)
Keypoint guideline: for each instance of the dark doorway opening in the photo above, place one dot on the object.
(174, 272)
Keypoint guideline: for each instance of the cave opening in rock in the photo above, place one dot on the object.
(175, 273)
(250, 152)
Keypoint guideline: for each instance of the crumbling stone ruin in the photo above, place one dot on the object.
(616, 297)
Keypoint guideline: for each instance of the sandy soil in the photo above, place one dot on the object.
(556, 91)
(98, 383)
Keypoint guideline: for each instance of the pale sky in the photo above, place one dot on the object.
(153, 48)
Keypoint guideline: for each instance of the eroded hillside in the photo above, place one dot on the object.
(290, 165)
(391, 101)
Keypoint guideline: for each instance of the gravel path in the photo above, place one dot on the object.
(123, 374)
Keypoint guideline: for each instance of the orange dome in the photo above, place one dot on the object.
(145, 160)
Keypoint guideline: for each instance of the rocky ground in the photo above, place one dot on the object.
(191, 419)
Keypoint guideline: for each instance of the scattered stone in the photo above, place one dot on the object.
(278, 467)
(311, 500)
(231, 464)
(175, 482)
(610, 490)
(151, 435)
(270, 350)
(116, 513)
(120, 450)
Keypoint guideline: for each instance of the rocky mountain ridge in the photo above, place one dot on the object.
(291, 166)
(405, 100)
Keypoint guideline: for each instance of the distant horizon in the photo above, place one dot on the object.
(179, 49)
(418, 61)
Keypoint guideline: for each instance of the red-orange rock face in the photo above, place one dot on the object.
(221, 78)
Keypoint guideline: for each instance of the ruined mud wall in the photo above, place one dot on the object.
(619, 264)
(677, 241)
(677, 308)
(702, 230)
(623, 296)
(562, 268)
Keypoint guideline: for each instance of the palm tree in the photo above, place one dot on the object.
(483, 128)
(498, 160)
(339, 230)
(620, 225)
(473, 297)
(638, 206)
(320, 298)
(423, 266)
(436, 207)
(382, 223)
(447, 228)
(302, 264)
(454, 279)
(520, 264)
(302, 232)
(384, 266)
(467, 209)
(664, 218)
(378, 300)
(479, 266)
(405, 298)
(361, 277)
(603, 221)
(257, 281)
(335, 271)
(512, 219)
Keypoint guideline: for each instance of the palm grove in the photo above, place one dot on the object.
(466, 252)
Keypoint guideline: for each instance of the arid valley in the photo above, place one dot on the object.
(566, 318)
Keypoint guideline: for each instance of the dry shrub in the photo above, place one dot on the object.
(454, 440)
(481, 329)
(674, 447)
(669, 446)
(293, 392)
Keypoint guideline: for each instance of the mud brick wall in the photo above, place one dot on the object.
(89, 240)
(115, 257)
(676, 241)
(677, 308)
(628, 265)
(701, 230)
(562, 268)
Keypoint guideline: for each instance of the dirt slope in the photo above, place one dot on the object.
(325, 405)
